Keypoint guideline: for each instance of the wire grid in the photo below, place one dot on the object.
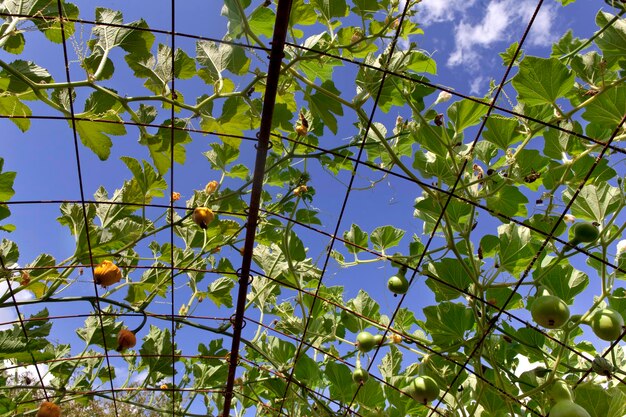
(238, 320)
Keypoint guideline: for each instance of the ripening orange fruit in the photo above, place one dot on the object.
(211, 187)
(125, 340)
(202, 216)
(48, 409)
(107, 273)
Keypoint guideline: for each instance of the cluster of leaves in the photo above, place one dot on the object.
(556, 148)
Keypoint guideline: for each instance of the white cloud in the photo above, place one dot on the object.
(502, 22)
(476, 86)
(8, 314)
(432, 11)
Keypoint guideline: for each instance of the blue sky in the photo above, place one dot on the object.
(464, 36)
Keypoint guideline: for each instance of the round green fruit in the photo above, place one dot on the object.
(365, 341)
(549, 311)
(568, 408)
(560, 391)
(378, 339)
(607, 324)
(398, 284)
(585, 233)
(423, 389)
(360, 376)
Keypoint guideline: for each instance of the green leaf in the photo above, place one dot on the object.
(542, 81)
(156, 354)
(231, 10)
(339, 376)
(508, 200)
(325, 107)
(279, 350)
(331, 8)
(356, 236)
(447, 322)
(30, 70)
(10, 105)
(502, 131)
(420, 62)
(111, 34)
(607, 110)
(14, 43)
(9, 252)
(611, 41)
(16, 345)
(215, 58)
(466, 113)
(594, 202)
(600, 401)
(51, 28)
(451, 272)
(6, 183)
(500, 295)
(237, 118)
(385, 237)
(96, 326)
(148, 180)
(507, 56)
(158, 69)
(365, 306)
(515, 250)
(302, 14)
(566, 44)
(95, 135)
(391, 364)
(220, 292)
(563, 281)
(160, 145)
(261, 21)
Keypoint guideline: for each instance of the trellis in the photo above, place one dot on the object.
(246, 272)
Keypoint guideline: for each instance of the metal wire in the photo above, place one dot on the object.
(61, 17)
(252, 220)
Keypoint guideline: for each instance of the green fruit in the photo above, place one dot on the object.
(607, 324)
(360, 376)
(585, 233)
(549, 311)
(602, 366)
(423, 389)
(378, 339)
(398, 284)
(365, 341)
(568, 408)
(560, 391)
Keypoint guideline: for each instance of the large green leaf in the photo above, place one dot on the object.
(385, 237)
(466, 113)
(452, 279)
(156, 354)
(611, 41)
(95, 135)
(356, 236)
(502, 131)
(608, 109)
(331, 8)
(215, 58)
(448, 322)
(515, 250)
(542, 81)
(600, 401)
(113, 32)
(594, 202)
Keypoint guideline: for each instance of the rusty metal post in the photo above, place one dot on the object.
(273, 73)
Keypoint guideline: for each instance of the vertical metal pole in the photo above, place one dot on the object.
(273, 73)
